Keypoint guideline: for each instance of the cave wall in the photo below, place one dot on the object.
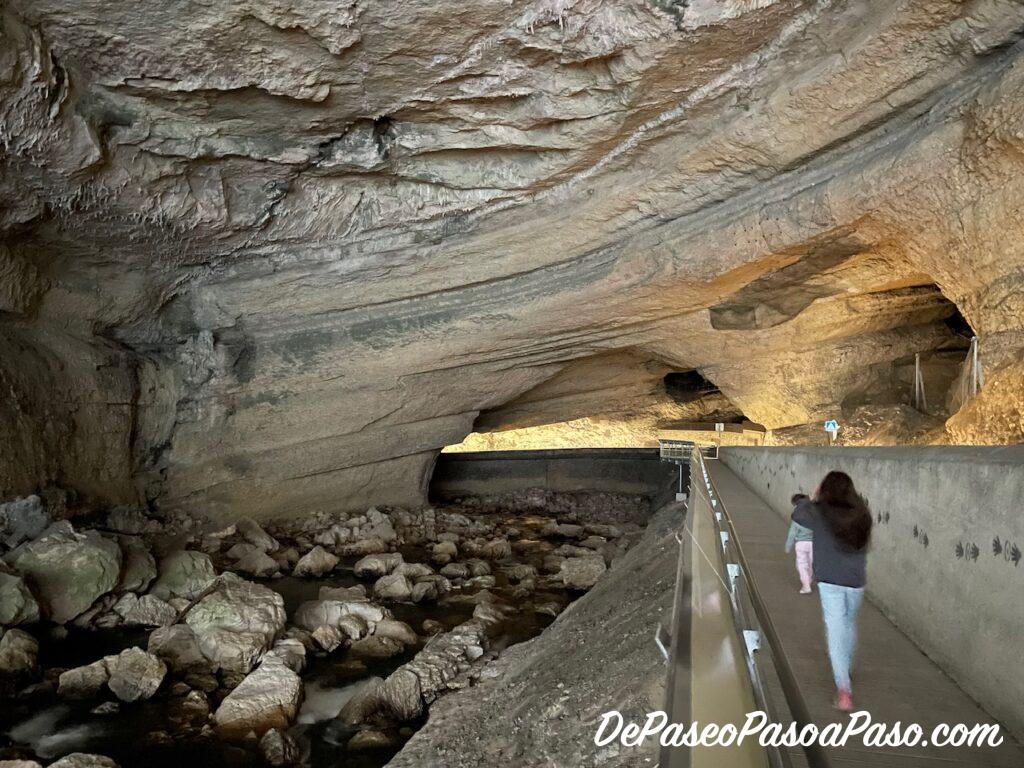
(270, 258)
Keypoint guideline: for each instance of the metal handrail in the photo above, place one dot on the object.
(815, 753)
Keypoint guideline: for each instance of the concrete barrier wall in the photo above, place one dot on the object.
(611, 470)
(945, 560)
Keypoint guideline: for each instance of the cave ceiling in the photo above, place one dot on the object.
(268, 257)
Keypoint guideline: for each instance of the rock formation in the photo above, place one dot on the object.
(264, 258)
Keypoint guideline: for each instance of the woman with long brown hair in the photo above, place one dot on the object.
(841, 523)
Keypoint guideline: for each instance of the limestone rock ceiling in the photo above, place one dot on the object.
(269, 257)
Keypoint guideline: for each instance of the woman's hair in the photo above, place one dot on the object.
(845, 511)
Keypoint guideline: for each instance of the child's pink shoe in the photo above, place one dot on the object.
(844, 701)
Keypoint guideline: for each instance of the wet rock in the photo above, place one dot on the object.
(237, 623)
(17, 605)
(396, 630)
(279, 749)
(363, 547)
(478, 567)
(405, 693)
(455, 571)
(291, 651)
(582, 572)
(69, 571)
(22, 520)
(133, 522)
(481, 582)
(287, 558)
(257, 564)
(138, 567)
(253, 533)
(569, 530)
(145, 611)
(380, 527)
(414, 571)
(135, 675)
(183, 573)
(19, 764)
(329, 613)
(431, 627)
(354, 627)
(329, 638)
(499, 549)
(268, 697)
(375, 647)
(106, 708)
(317, 562)
(178, 647)
(424, 592)
(84, 760)
(521, 572)
(393, 587)
(84, 682)
(550, 608)
(363, 704)
(444, 552)
(355, 593)
(369, 739)
(594, 542)
(19, 652)
(375, 566)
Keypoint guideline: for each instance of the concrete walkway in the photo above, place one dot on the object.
(893, 679)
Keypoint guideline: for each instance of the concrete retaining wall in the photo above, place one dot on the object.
(610, 470)
(945, 561)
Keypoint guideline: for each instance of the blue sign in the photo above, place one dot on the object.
(831, 425)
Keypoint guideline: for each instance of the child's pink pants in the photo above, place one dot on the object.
(805, 562)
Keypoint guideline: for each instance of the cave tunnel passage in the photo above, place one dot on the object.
(611, 471)
(686, 386)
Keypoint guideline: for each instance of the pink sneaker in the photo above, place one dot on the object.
(844, 701)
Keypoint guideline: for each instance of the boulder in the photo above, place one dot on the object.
(521, 572)
(19, 652)
(499, 549)
(279, 749)
(68, 571)
(83, 760)
(22, 520)
(291, 651)
(237, 622)
(478, 567)
(375, 648)
(145, 611)
(380, 526)
(329, 613)
(569, 530)
(392, 587)
(424, 592)
(363, 547)
(396, 630)
(183, 573)
(138, 567)
(268, 697)
(444, 552)
(368, 739)
(132, 521)
(354, 627)
(17, 605)
(135, 675)
(253, 533)
(178, 647)
(375, 566)
(19, 764)
(356, 593)
(84, 682)
(581, 572)
(257, 564)
(317, 562)
(329, 638)
(414, 571)
(455, 571)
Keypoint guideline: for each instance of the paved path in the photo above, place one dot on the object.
(893, 679)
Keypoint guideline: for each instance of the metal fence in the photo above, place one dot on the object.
(722, 646)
